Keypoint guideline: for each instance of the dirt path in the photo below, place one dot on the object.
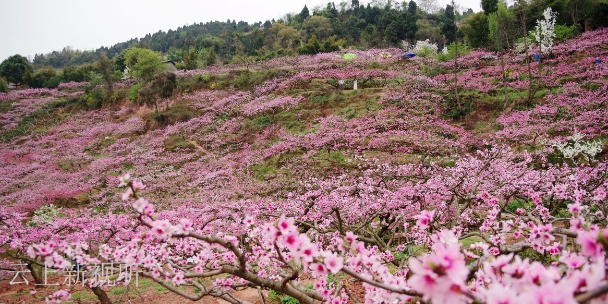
(200, 148)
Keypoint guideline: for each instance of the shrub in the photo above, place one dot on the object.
(134, 91)
(162, 86)
(52, 82)
(146, 96)
(94, 80)
(144, 63)
(3, 85)
(43, 78)
(451, 52)
(94, 99)
(244, 80)
(563, 32)
(165, 83)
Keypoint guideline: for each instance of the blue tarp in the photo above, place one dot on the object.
(408, 55)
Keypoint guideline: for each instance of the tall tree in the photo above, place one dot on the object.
(448, 26)
(489, 6)
(476, 30)
(391, 33)
(211, 57)
(411, 26)
(143, 63)
(319, 26)
(450, 32)
(189, 58)
(503, 34)
(412, 7)
(3, 85)
(14, 68)
(304, 13)
(104, 65)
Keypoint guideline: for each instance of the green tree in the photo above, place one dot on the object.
(448, 26)
(287, 37)
(429, 31)
(162, 86)
(412, 7)
(410, 21)
(331, 44)
(175, 54)
(43, 78)
(14, 68)
(503, 31)
(211, 58)
(3, 85)
(598, 16)
(489, 6)
(475, 29)
(119, 62)
(104, 66)
(319, 26)
(391, 33)
(371, 37)
(189, 58)
(352, 30)
(143, 63)
(165, 83)
(580, 10)
(146, 96)
(304, 14)
(311, 47)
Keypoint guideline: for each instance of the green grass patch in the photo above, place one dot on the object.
(82, 296)
(279, 298)
(467, 242)
(258, 123)
(176, 113)
(160, 289)
(102, 144)
(267, 169)
(515, 204)
(177, 142)
(117, 290)
(327, 159)
(5, 106)
(289, 121)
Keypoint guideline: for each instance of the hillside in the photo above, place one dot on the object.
(290, 137)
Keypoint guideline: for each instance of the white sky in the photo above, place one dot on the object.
(41, 26)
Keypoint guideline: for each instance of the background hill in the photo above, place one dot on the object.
(348, 24)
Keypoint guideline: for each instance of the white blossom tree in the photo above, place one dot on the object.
(544, 32)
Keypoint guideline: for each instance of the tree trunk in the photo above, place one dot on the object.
(456, 75)
(101, 295)
(456, 61)
(528, 61)
(504, 78)
(37, 278)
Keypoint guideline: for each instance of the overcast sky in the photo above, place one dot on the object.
(41, 26)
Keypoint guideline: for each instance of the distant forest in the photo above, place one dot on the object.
(381, 23)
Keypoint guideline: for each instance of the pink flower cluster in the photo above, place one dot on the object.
(269, 104)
